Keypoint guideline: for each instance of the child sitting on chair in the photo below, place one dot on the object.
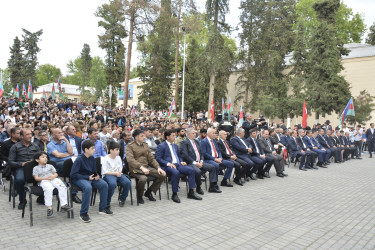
(46, 176)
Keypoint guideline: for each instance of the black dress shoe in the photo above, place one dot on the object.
(260, 176)
(140, 200)
(322, 166)
(238, 182)
(214, 190)
(149, 196)
(359, 158)
(284, 174)
(200, 191)
(308, 167)
(252, 176)
(225, 184)
(175, 198)
(192, 195)
(280, 175)
(247, 179)
(303, 169)
(22, 205)
(267, 174)
(76, 199)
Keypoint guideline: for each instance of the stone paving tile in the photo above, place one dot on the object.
(330, 208)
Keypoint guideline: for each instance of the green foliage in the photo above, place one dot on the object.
(98, 77)
(133, 73)
(371, 35)
(86, 61)
(363, 105)
(350, 26)
(30, 44)
(47, 73)
(112, 21)
(5, 77)
(16, 64)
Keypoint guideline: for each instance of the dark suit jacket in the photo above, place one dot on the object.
(251, 142)
(308, 143)
(238, 147)
(264, 145)
(247, 126)
(122, 149)
(300, 143)
(223, 149)
(293, 147)
(206, 149)
(370, 136)
(316, 143)
(322, 141)
(188, 153)
(78, 143)
(164, 156)
(285, 140)
(329, 140)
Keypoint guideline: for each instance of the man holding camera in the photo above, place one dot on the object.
(249, 124)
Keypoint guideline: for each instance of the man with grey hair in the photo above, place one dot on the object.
(266, 144)
(74, 140)
(249, 124)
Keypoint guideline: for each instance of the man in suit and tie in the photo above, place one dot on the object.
(74, 140)
(241, 167)
(212, 155)
(191, 153)
(308, 140)
(370, 135)
(349, 144)
(296, 151)
(328, 146)
(269, 150)
(313, 155)
(327, 152)
(168, 157)
(336, 151)
(242, 149)
(263, 171)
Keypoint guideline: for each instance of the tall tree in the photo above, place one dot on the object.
(157, 58)
(216, 11)
(86, 61)
(5, 80)
(16, 63)
(112, 20)
(327, 90)
(30, 45)
(371, 35)
(47, 73)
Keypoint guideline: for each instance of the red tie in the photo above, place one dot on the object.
(213, 146)
(196, 152)
(226, 145)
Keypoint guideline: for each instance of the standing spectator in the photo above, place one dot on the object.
(357, 135)
(370, 135)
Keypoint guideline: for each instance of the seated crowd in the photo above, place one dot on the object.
(150, 147)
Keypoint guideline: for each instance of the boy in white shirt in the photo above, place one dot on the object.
(112, 173)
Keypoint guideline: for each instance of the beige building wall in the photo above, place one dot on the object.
(136, 92)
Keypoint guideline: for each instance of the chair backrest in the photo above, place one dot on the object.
(28, 172)
(67, 167)
(98, 165)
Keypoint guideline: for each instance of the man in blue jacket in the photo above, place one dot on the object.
(168, 157)
(212, 155)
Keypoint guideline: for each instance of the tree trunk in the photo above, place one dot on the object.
(128, 58)
(176, 56)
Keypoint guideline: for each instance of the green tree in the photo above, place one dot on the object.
(75, 72)
(112, 21)
(30, 45)
(47, 73)
(363, 105)
(98, 77)
(327, 90)
(86, 61)
(371, 35)
(16, 64)
(350, 26)
(5, 80)
(157, 60)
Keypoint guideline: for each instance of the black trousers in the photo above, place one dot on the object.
(240, 168)
(358, 145)
(371, 146)
(336, 152)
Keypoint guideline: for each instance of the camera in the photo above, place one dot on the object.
(264, 124)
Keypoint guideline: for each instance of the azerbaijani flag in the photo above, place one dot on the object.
(133, 111)
(30, 91)
(53, 91)
(349, 110)
(1, 90)
(230, 109)
(240, 122)
(223, 107)
(173, 106)
(17, 91)
(24, 92)
(44, 94)
(212, 110)
(60, 90)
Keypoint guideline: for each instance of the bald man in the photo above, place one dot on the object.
(59, 149)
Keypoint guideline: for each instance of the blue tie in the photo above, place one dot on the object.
(124, 150)
(175, 153)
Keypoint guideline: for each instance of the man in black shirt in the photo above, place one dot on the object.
(21, 153)
(8, 143)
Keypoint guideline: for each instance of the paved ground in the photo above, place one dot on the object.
(327, 208)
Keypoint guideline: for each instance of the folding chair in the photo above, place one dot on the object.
(181, 177)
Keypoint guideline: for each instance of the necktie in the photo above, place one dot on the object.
(298, 147)
(256, 145)
(213, 147)
(124, 150)
(269, 145)
(175, 153)
(226, 145)
(304, 145)
(196, 152)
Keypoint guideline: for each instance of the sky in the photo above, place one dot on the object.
(68, 24)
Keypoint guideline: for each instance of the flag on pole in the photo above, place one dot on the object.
(1, 90)
(30, 91)
(133, 111)
(17, 91)
(44, 94)
(173, 107)
(230, 109)
(60, 90)
(53, 91)
(223, 107)
(304, 115)
(240, 120)
(212, 110)
(349, 110)
(24, 92)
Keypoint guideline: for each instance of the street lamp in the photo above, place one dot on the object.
(183, 77)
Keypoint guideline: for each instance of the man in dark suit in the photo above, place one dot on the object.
(168, 157)
(249, 124)
(191, 153)
(212, 155)
(326, 139)
(370, 135)
(126, 137)
(74, 140)
(240, 166)
(296, 151)
(269, 150)
(327, 152)
(308, 140)
(313, 155)
(263, 171)
(243, 150)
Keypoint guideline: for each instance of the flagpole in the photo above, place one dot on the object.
(183, 78)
